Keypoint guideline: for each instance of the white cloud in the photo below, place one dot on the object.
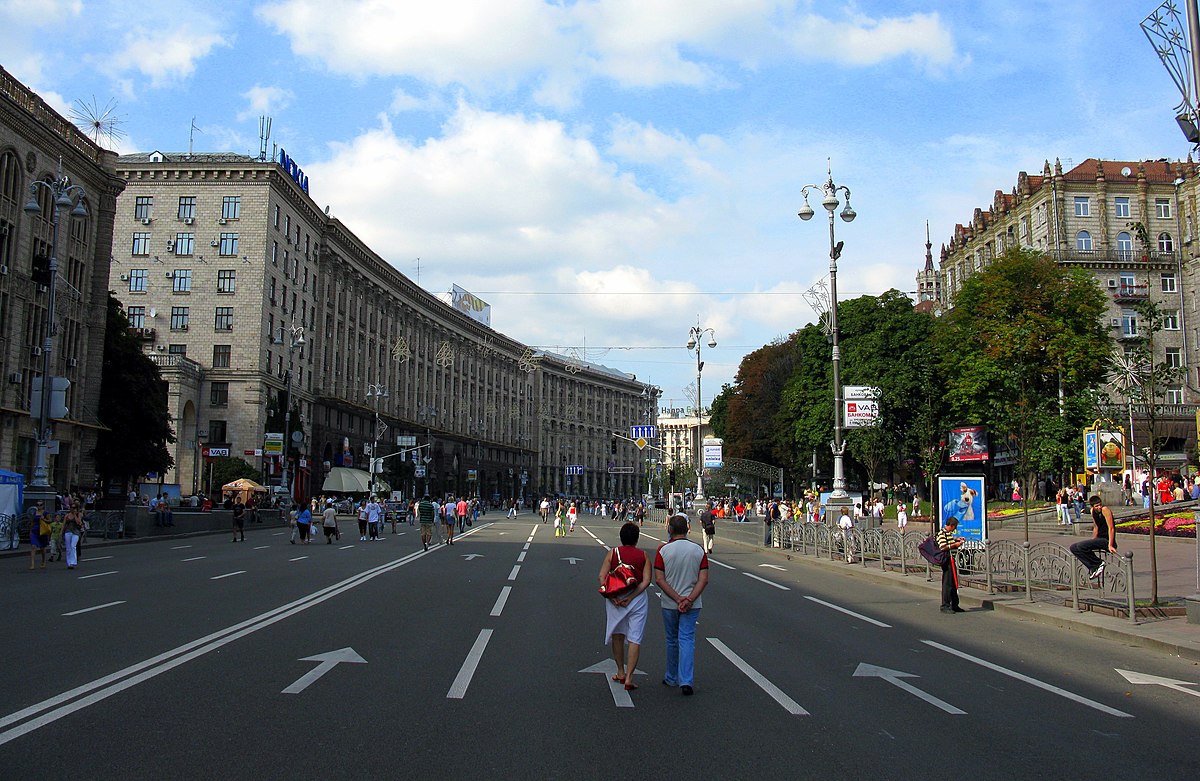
(165, 55)
(862, 40)
(264, 100)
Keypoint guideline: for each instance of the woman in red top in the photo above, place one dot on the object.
(626, 615)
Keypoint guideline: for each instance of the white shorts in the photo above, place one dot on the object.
(629, 620)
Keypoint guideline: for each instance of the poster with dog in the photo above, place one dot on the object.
(963, 497)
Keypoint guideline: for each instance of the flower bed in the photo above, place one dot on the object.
(1169, 525)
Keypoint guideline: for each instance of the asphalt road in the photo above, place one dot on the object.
(193, 659)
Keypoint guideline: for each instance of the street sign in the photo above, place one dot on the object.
(641, 443)
(472, 475)
(58, 397)
(419, 471)
(713, 453)
(273, 447)
(620, 470)
(643, 432)
(574, 469)
(215, 452)
(406, 440)
(427, 459)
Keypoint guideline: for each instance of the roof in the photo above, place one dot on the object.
(185, 157)
(1157, 171)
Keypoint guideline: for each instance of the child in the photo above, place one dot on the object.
(56, 540)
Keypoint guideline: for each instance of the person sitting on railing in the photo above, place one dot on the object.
(1104, 537)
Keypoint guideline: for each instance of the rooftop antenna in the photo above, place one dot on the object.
(418, 272)
(264, 135)
(192, 135)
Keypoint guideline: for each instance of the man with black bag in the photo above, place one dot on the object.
(947, 541)
(709, 524)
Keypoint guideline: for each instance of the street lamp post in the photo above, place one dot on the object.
(693, 343)
(838, 497)
(64, 195)
(296, 342)
(376, 392)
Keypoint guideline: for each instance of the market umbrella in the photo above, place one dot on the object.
(344, 480)
(245, 487)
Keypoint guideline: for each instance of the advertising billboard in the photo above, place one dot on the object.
(713, 453)
(471, 305)
(968, 444)
(1104, 450)
(963, 497)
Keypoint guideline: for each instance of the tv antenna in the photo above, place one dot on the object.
(192, 135)
(264, 135)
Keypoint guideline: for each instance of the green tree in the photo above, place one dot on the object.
(226, 470)
(133, 406)
(751, 426)
(1023, 352)
(718, 411)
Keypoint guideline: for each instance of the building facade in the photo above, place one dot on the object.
(223, 262)
(681, 437)
(1129, 224)
(38, 144)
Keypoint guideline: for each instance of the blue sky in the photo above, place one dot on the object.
(606, 174)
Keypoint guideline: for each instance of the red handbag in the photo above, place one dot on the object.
(620, 579)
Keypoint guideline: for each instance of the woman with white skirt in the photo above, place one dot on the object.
(625, 616)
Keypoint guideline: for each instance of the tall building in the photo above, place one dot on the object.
(224, 261)
(1089, 217)
(38, 144)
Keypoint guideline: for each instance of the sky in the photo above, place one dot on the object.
(609, 174)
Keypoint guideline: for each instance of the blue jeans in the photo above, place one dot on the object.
(681, 645)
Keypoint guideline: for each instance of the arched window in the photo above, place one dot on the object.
(1124, 246)
(1164, 243)
(10, 179)
(1083, 241)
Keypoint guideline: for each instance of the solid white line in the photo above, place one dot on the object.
(345, 547)
(513, 575)
(98, 558)
(789, 705)
(463, 679)
(181, 547)
(711, 560)
(298, 558)
(521, 556)
(260, 547)
(195, 558)
(229, 574)
(498, 608)
(98, 575)
(112, 684)
(841, 609)
(764, 580)
(1031, 681)
(97, 607)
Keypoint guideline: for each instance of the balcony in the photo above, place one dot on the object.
(145, 334)
(1126, 257)
(1130, 292)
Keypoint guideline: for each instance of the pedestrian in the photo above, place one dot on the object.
(72, 529)
(362, 521)
(901, 517)
(769, 519)
(572, 515)
(1104, 537)
(329, 523)
(625, 616)
(239, 520)
(426, 512)
(293, 514)
(916, 505)
(544, 508)
(846, 524)
(373, 513)
(449, 512)
(560, 520)
(948, 541)
(512, 508)
(681, 574)
(304, 520)
(1063, 501)
(708, 526)
(39, 534)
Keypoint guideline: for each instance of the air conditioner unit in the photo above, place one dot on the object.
(15, 378)
(1112, 283)
(72, 362)
(222, 221)
(213, 243)
(170, 246)
(36, 351)
(188, 220)
(124, 277)
(147, 220)
(170, 275)
(1116, 323)
(162, 348)
(3, 269)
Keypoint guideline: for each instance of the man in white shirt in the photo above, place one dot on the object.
(681, 572)
(374, 513)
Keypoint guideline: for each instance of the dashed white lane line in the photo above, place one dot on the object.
(458, 689)
(195, 558)
(345, 547)
(498, 608)
(521, 556)
(789, 705)
(526, 547)
(181, 547)
(711, 560)
(841, 609)
(278, 534)
(298, 558)
(764, 580)
(98, 558)
(97, 607)
(98, 575)
(228, 575)
(260, 547)
(513, 575)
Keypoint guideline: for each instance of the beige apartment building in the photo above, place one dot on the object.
(38, 144)
(1083, 217)
(224, 261)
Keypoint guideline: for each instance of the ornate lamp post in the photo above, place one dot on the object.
(838, 498)
(64, 195)
(695, 334)
(296, 342)
(375, 463)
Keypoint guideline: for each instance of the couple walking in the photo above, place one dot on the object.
(680, 571)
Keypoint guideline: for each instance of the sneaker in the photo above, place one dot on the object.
(687, 690)
(1097, 572)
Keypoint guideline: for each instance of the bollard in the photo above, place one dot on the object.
(1075, 586)
(987, 563)
(1028, 586)
(1132, 603)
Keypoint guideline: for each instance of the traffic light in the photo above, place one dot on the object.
(41, 270)
(613, 448)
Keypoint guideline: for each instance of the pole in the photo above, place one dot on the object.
(839, 476)
(287, 424)
(41, 471)
(699, 421)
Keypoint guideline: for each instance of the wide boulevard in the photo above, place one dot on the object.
(204, 658)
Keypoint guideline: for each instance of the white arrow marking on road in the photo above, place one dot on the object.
(894, 677)
(471, 556)
(575, 561)
(1170, 683)
(789, 705)
(773, 566)
(327, 661)
(608, 667)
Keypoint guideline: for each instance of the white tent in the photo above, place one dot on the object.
(12, 499)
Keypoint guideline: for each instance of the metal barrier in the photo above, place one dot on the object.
(105, 524)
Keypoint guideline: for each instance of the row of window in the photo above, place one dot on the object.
(143, 207)
(1083, 243)
(1083, 207)
(185, 244)
(181, 280)
(181, 317)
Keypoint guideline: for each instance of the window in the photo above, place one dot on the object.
(187, 207)
(1174, 395)
(181, 282)
(226, 281)
(1170, 320)
(218, 432)
(143, 207)
(229, 244)
(1082, 206)
(1167, 282)
(1127, 280)
(224, 319)
(185, 243)
(275, 217)
(219, 396)
(274, 253)
(1162, 208)
(287, 227)
(231, 207)
(141, 244)
(1174, 358)
(1124, 246)
(177, 349)
(137, 280)
(221, 355)
(137, 316)
(1165, 244)
(1129, 322)
(179, 318)
(271, 290)
(1121, 207)
(1083, 241)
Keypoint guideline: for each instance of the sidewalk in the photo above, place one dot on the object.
(1176, 579)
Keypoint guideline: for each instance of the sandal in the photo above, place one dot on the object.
(618, 679)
